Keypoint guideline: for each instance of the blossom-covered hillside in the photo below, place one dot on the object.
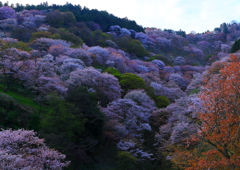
(113, 97)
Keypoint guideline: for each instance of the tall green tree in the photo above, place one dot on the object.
(62, 119)
(86, 102)
(55, 18)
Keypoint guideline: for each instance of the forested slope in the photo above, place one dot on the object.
(110, 95)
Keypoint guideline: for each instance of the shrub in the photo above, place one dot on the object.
(131, 81)
(132, 46)
(114, 72)
(161, 101)
(126, 161)
(40, 34)
(136, 47)
(71, 38)
(21, 46)
(160, 57)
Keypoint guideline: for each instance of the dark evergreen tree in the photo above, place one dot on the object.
(235, 46)
(224, 28)
(218, 30)
(169, 30)
(181, 32)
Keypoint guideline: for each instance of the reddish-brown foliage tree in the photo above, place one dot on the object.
(217, 143)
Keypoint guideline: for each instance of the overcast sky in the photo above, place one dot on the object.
(188, 15)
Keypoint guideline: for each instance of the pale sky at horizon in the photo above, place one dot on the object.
(188, 15)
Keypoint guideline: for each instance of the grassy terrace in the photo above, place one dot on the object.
(22, 96)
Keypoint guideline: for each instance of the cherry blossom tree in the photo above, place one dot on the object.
(117, 61)
(180, 124)
(217, 45)
(45, 85)
(205, 46)
(141, 98)
(159, 63)
(45, 43)
(100, 53)
(81, 54)
(107, 86)
(179, 80)
(124, 32)
(195, 52)
(69, 65)
(145, 40)
(172, 93)
(225, 48)
(56, 50)
(180, 60)
(136, 66)
(115, 28)
(12, 62)
(21, 149)
(128, 120)
(163, 44)
(7, 12)
(193, 38)
(195, 84)
(40, 76)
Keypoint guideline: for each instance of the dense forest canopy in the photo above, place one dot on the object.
(103, 18)
(84, 89)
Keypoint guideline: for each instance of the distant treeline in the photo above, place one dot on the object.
(103, 18)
